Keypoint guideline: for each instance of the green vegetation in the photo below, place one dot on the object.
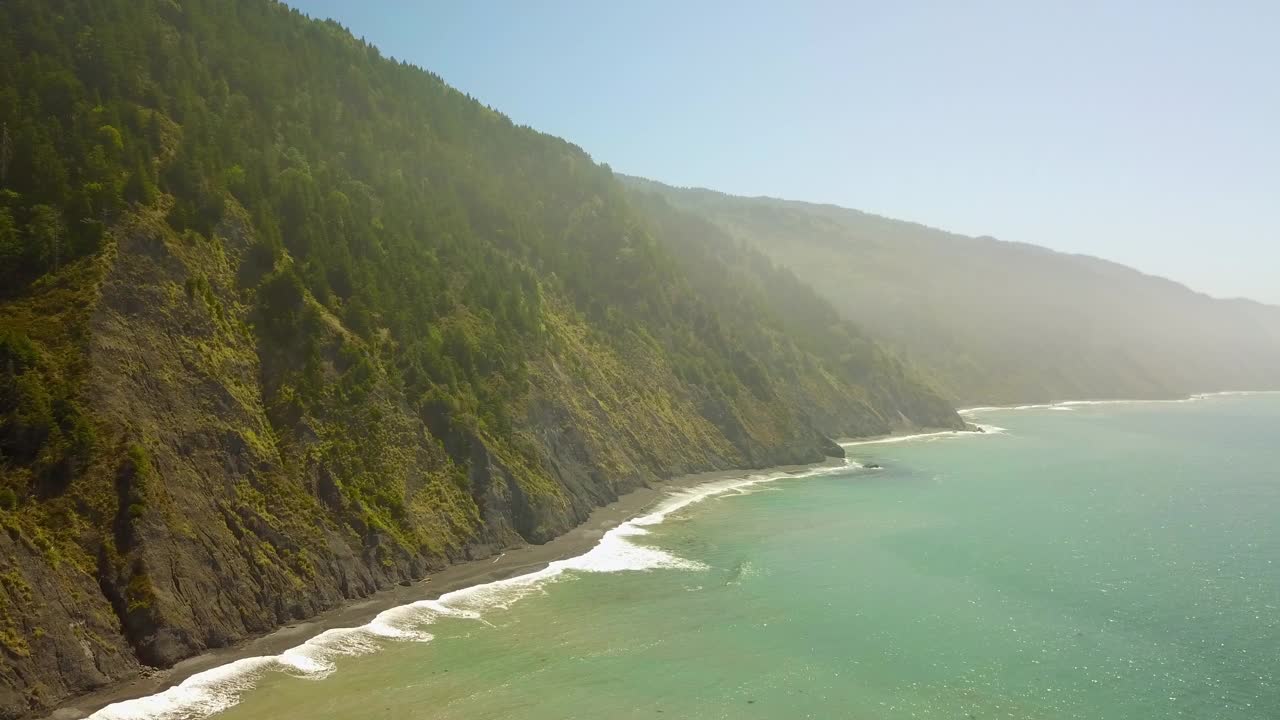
(787, 335)
(994, 322)
(283, 321)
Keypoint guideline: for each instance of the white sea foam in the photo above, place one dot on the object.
(1075, 403)
(929, 436)
(1070, 404)
(198, 696)
(215, 690)
(1227, 393)
(899, 438)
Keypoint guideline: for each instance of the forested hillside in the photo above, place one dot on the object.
(283, 321)
(995, 322)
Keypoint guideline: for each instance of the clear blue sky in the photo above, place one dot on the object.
(1143, 132)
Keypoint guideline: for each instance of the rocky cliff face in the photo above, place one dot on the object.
(283, 322)
(215, 507)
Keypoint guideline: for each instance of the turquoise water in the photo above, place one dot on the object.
(1097, 561)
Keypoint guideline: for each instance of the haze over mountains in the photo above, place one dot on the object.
(276, 308)
(996, 322)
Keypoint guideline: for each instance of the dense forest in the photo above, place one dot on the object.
(277, 308)
(994, 322)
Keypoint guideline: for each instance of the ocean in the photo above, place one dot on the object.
(1092, 561)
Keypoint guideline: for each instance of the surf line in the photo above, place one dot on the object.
(1070, 404)
(941, 434)
(220, 688)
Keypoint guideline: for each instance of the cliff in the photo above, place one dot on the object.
(284, 322)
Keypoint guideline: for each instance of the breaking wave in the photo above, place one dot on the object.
(219, 688)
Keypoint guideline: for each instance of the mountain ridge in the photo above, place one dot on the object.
(1005, 322)
(642, 182)
(278, 309)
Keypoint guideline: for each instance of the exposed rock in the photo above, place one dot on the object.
(229, 513)
(831, 448)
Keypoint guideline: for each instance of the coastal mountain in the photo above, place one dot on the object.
(993, 322)
(284, 321)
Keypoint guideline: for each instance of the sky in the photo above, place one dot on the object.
(1142, 132)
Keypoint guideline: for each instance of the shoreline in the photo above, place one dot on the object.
(1192, 397)
(509, 563)
(970, 428)
(513, 562)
